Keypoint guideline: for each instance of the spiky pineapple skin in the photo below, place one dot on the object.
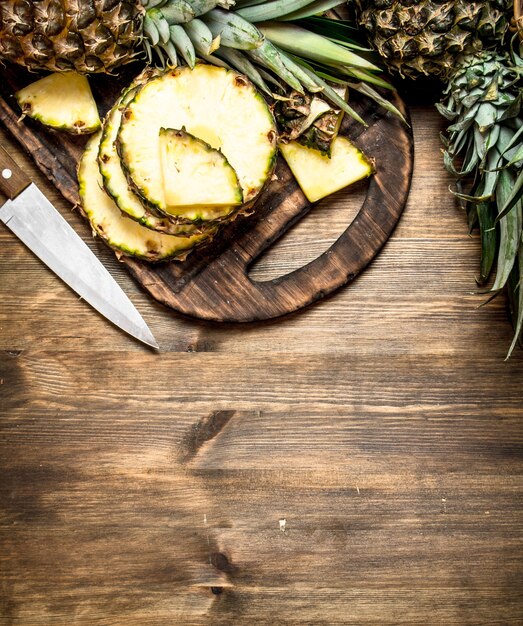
(87, 36)
(424, 37)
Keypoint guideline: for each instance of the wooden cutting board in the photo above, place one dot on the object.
(214, 283)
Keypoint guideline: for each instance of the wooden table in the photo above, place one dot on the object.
(357, 463)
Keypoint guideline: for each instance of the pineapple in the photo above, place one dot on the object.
(320, 175)
(121, 233)
(177, 187)
(218, 106)
(465, 45)
(194, 174)
(115, 181)
(425, 37)
(484, 105)
(100, 36)
(60, 35)
(310, 120)
(74, 111)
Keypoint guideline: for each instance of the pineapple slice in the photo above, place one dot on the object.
(194, 174)
(117, 186)
(61, 100)
(319, 175)
(120, 232)
(219, 106)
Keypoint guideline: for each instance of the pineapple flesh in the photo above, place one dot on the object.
(218, 106)
(194, 174)
(63, 101)
(319, 175)
(119, 232)
(117, 186)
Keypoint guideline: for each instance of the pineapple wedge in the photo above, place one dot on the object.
(319, 175)
(219, 106)
(63, 101)
(119, 232)
(194, 174)
(117, 186)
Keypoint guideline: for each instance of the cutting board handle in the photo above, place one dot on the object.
(12, 179)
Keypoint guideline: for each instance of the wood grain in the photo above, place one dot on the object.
(382, 425)
(214, 284)
(398, 507)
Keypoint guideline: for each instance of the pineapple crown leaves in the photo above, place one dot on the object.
(483, 150)
(483, 102)
(281, 43)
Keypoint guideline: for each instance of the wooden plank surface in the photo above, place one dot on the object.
(357, 463)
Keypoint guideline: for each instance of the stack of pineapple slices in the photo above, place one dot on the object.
(180, 154)
(183, 152)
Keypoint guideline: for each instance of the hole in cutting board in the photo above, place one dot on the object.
(312, 235)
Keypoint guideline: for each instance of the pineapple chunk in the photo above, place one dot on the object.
(61, 100)
(119, 232)
(194, 174)
(318, 175)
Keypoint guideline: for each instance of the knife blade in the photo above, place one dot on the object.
(39, 225)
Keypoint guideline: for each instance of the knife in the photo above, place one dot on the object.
(36, 222)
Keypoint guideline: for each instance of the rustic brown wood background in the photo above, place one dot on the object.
(382, 425)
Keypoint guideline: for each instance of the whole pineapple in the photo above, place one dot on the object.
(466, 45)
(83, 35)
(425, 37)
(57, 35)
(90, 36)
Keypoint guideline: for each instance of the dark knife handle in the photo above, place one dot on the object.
(12, 179)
